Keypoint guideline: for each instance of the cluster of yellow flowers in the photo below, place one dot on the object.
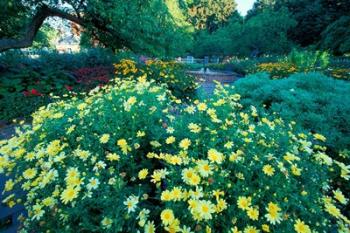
(129, 68)
(125, 67)
(278, 69)
(165, 72)
(127, 159)
(339, 73)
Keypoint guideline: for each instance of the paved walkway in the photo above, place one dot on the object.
(207, 80)
(7, 131)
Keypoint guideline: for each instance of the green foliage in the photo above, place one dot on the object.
(265, 33)
(19, 106)
(239, 66)
(57, 74)
(211, 44)
(45, 37)
(14, 14)
(143, 26)
(316, 102)
(313, 17)
(209, 14)
(308, 60)
(337, 36)
(50, 73)
(296, 61)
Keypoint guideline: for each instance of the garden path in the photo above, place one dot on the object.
(207, 80)
(7, 131)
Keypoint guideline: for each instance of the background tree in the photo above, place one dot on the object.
(45, 37)
(264, 33)
(337, 36)
(259, 6)
(312, 17)
(209, 14)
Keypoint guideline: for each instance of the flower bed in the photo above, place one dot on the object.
(339, 73)
(130, 158)
(24, 90)
(173, 74)
(277, 70)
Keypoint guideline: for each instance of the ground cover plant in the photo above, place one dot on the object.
(130, 157)
(317, 102)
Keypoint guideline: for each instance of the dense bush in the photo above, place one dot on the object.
(317, 102)
(336, 37)
(264, 33)
(17, 105)
(306, 61)
(238, 66)
(244, 66)
(58, 74)
(42, 59)
(128, 159)
(296, 61)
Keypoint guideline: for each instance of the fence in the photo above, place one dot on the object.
(192, 60)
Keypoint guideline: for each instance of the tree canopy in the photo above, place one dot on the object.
(312, 16)
(179, 27)
(263, 33)
(209, 14)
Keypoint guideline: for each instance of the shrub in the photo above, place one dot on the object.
(65, 61)
(318, 103)
(241, 67)
(296, 61)
(128, 159)
(306, 61)
(277, 70)
(91, 77)
(339, 73)
(171, 73)
(48, 73)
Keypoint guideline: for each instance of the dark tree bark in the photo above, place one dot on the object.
(34, 26)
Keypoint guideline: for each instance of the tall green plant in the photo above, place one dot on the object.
(308, 60)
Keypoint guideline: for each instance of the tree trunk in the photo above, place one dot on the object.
(32, 29)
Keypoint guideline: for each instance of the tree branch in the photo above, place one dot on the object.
(44, 12)
(32, 29)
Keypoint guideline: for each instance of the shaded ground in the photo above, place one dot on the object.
(8, 216)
